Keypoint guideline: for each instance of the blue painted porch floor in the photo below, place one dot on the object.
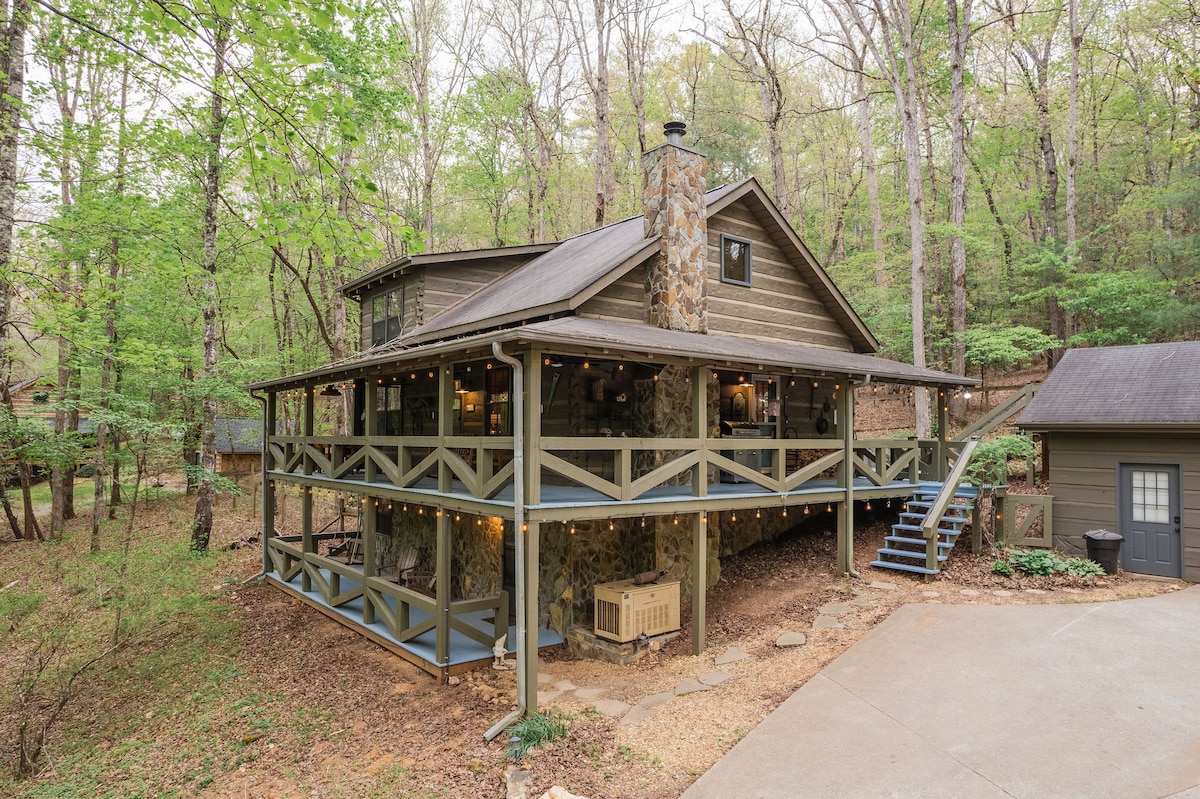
(462, 648)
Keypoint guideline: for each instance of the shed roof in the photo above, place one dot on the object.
(1143, 386)
(238, 435)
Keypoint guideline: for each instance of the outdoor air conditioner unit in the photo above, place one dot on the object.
(624, 610)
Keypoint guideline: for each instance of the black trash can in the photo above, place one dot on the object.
(1104, 547)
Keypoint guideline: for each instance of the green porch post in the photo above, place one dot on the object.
(445, 428)
(306, 500)
(845, 532)
(368, 533)
(699, 380)
(370, 426)
(532, 535)
(268, 485)
(942, 422)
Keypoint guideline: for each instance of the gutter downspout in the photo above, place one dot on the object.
(518, 533)
(263, 467)
(866, 382)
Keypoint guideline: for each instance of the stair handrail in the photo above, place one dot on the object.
(933, 517)
(996, 415)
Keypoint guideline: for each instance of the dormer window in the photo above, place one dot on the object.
(735, 260)
(387, 316)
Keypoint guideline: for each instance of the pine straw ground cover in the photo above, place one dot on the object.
(239, 691)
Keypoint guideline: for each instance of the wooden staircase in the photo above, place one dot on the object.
(910, 545)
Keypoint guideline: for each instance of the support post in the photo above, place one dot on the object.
(306, 499)
(532, 535)
(845, 534)
(368, 533)
(941, 469)
(445, 425)
(370, 426)
(270, 410)
(699, 580)
(977, 525)
(442, 592)
(533, 428)
(698, 375)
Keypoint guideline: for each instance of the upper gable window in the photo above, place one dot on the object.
(735, 260)
(387, 316)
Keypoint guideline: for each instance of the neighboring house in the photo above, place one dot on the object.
(543, 400)
(1122, 429)
(239, 446)
(33, 396)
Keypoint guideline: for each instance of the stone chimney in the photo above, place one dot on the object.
(674, 208)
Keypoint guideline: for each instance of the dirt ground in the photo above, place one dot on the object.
(391, 727)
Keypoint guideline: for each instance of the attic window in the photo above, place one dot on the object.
(735, 260)
(387, 316)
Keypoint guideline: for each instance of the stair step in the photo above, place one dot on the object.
(946, 519)
(907, 553)
(917, 542)
(916, 528)
(928, 505)
(904, 567)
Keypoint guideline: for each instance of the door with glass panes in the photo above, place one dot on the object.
(1149, 508)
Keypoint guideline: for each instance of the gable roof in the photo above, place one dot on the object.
(1148, 385)
(572, 272)
(362, 284)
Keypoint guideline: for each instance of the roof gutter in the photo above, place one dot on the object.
(518, 533)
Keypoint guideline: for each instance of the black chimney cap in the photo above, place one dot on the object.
(674, 132)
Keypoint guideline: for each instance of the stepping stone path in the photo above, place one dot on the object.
(564, 685)
(730, 655)
(791, 639)
(834, 609)
(690, 687)
(635, 715)
(882, 586)
(969, 592)
(1002, 592)
(864, 601)
(612, 707)
(545, 678)
(655, 700)
(714, 677)
(827, 623)
(589, 693)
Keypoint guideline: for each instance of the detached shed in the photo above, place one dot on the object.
(1122, 427)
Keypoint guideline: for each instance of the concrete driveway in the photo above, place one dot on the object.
(1037, 701)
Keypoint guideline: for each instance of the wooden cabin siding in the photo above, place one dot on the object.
(779, 303)
(624, 300)
(1083, 481)
(448, 284)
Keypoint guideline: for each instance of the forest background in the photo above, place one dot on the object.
(184, 184)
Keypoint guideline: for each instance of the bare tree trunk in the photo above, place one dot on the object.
(960, 30)
(205, 497)
(869, 171)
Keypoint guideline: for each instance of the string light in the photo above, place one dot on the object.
(676, 520)
(829, 507)
(610, 525)
(758, 513)
(785, 512)
(806, 511)
(868, 504)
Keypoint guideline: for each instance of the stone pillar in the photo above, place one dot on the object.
(674, 208)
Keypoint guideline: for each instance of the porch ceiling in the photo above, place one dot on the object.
(638, 341)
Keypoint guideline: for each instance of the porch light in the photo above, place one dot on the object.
(792, 383)
(431, 374)
(620, 367)
(966, 395)
(330, 391)
(524, 528)
(586, 365)
(546, 362)
(816, 384)
(715, 375)
(489, 365)
(412, 376)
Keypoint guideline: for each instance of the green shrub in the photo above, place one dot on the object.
(1002, 567)
(1082, 567)
(989, 463)
(1037, 562)
(533, 730)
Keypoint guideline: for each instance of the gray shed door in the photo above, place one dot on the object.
(1150, 519)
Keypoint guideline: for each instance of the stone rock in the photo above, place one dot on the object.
(559, 792)
(548, 696)
(657, 699)
(690, 687)
(611, 707)
(453, 680)
(969, 592)
(882, 586)
(636, 714)
(827, 623)
(791, 639)
(730, 655)
(564, 685)
(516, 783)
(834, 609)
(714, 677)
(590, 693)
(864, 601)
(1001, 592)
(545, 678)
